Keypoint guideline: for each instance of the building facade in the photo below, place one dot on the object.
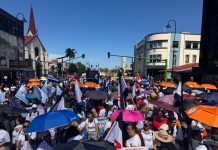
(35, 50)
(208, 64)
(152, 52)
(13, 65)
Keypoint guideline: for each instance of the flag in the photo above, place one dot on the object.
(45, 88)
(59, 105)
(52, 78)
(39, 94)
(115, 133)
(122, 90)
(21, 94)
(179, 89)
(2, 96)
(58, 90)
(78, 92)
(178, 96)
(134, 91)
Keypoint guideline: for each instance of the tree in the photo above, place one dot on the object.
(72, 68)
(59, 67)
(52, 68)
(81, 68)
(70, 53)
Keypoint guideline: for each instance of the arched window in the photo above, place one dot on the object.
(36, 51)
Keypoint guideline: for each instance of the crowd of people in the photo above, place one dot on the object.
(161, 129)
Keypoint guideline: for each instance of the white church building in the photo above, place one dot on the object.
(35, 50)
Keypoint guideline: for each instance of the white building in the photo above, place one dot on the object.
(159, 46)
(35, 50)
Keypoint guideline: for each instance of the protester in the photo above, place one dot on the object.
(159, 121)
(17, 129)
(4, 135)
(92, 127)
(34, 113)
(136, 138)
(148, 135)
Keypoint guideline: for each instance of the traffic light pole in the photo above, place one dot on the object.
(160, 60)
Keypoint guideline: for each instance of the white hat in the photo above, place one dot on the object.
(110, 103)
(163, 136)
(164, 127)
(34, 106)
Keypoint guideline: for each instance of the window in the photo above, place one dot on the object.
(158, 57)
(186, 58)
(188, 45)
(195, 45)
(151, 57)
(156, 44)
(194, 58)
(36, 52)
(155, 58)
(175, 44)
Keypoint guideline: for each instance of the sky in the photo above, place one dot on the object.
(95, 27)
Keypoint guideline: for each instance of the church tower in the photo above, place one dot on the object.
(32, 29)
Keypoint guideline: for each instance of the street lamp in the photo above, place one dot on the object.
(24, 21)
(174, 44)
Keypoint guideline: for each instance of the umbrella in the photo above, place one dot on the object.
(148, 92)
(204, 114)
(208, 86)
(33, 83)
(97, 95)
(167, 84)
(85, 145)
(188, 104)
(192, 84)
(185, 87)
(128, 115)
(169, 99)
(198, 92)
(52, 120)
(169, 90)
(90, 85)
(214, 97)
(188, 97)
(205, 96)
(79, 83)
(34, 80)
(165, 106)
(11, 110)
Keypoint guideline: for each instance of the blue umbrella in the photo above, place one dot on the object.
(205, 96)
(214, 97)
(52, 120)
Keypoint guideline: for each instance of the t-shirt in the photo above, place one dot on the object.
(134, 141)
(4, 137)
(148, 138)
(91, 125)
(102, 113)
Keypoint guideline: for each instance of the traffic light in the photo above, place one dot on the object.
(83, 55)
(108, 55)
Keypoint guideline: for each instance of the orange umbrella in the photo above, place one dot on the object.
(33, 83)
(205, 114)
(91, 85)
(209, 86)
(167, 84)
(192, 84)
(34, 80)
(79, 83)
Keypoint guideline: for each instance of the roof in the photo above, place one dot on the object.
(32, 28)
(27, 39)
(185, 67)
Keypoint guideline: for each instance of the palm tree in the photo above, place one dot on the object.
(70, 53)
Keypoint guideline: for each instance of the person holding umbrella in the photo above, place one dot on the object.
(34, 113)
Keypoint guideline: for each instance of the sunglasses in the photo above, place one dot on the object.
(25, 126)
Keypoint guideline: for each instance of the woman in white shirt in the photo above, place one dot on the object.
(136, 139)
(148, 135)
(19, 121)
(92, 127)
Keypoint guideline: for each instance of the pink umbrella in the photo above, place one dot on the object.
(169, 99)
(188, 97)
(128, 115)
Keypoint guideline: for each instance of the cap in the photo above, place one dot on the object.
(34, 106)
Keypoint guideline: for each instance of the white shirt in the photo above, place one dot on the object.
(4, 137)
(130, 107)
(30, 116)
(102, 113)
(107, 125)
(148, 138)
(15, 133)
(24, 144)
(134, 141)
(91, 125)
